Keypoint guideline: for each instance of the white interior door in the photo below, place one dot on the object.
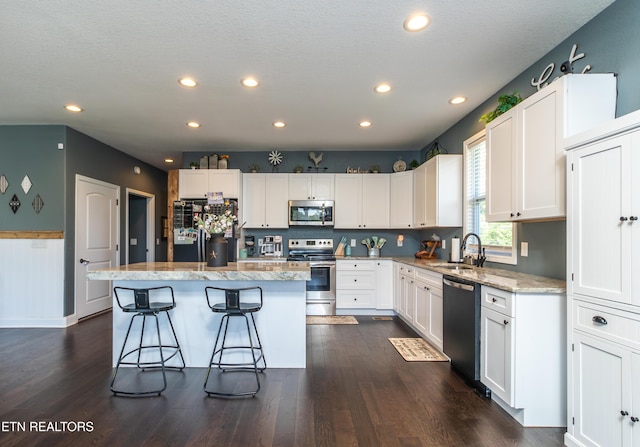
(97, 216)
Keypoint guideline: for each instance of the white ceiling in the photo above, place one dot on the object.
(317, 62)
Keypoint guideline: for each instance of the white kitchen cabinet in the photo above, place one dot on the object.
(196, 183)
(438, 192)
(525, 159)
(384, 284)
(405, 302)
(264, 200)
(355, 284)
(361, 201)
(522, 361)
(311, 186)
(603, 203)
(401, 200)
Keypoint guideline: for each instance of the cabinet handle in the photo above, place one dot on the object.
(493, 300)
(633, 218)
(624, 413)
(512, 215)
(518, 214)
(505, 322)
(355, 280)
(623, 219)
(634, 419)
(598, 319)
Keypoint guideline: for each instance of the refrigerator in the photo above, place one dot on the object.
(189, 243)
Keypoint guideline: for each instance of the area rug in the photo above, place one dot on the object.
(417, 350)
(331, 319)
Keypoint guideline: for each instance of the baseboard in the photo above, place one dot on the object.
(570, 441)
(37, 323)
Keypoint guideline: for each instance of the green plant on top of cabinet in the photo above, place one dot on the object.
(525, 159)
(311, 186)
(264, 200)
(437, 199)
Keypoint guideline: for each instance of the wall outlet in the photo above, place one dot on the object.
(444, 244)
(400, 240)
(353, 242)
(524, 249)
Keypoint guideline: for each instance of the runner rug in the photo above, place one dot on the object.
(331, 319)
(417, 350)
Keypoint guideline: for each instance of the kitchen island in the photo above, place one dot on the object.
(281, 322)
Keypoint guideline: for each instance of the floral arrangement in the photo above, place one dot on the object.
(215, 223)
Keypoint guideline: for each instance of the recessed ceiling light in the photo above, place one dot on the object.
(73, 108)
(249, 82)
(382, 88)
(168, 160)
(187, 82)
(365, 123)
(279, 124)
(457, 100)
(417, 22)
(193, 124)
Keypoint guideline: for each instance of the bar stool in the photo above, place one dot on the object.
(139, 303)
(233, 307)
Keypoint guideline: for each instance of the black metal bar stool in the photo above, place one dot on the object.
(139, 302)
(234, 307)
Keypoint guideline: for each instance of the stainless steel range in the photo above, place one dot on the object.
(321, 288)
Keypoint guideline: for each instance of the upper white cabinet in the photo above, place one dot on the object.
(311, 186)
(604, 191)
(437, 196)
(401, 200)
(196, 183)
(525, 159)
(264, 202)
(361, 201)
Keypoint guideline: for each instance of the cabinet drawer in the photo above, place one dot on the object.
(347, 299)
(365, 279)
(427, 276)
(498, 300)
(355, 265)
(612, 324)
(407, 270)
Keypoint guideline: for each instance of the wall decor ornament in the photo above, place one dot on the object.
(565, 67)
(275, 158)
(4, 184)
(37, 203)
(14, 204)
(26, 184)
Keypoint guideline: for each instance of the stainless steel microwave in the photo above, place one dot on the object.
(311, 212)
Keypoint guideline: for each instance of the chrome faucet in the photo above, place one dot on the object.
(481, 257)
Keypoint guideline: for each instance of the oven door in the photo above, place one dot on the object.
(321, 289)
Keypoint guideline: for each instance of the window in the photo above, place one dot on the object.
(498, 238)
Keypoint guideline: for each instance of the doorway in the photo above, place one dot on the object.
(140, 229)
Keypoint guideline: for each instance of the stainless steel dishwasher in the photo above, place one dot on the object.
(461, 329)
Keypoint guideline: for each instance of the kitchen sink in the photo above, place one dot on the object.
(454, 266)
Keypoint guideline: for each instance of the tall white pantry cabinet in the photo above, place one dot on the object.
(603, 285)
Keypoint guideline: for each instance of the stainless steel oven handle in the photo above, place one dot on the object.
(329, 264)
(457, 285)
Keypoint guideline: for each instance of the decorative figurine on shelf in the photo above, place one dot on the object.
(316, 159)
(275, 158)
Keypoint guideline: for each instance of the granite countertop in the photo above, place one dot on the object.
(189, 271)
(498, 278)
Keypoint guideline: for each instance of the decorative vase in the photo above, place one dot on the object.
(217, 251)
(374, 252)
(222, 163)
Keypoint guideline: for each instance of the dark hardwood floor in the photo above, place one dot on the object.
(355, 391)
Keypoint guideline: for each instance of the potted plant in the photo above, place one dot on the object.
(505, 102)
(254, 167)
(194, 165)
(414, 164)
(298, 169)
(374, 168)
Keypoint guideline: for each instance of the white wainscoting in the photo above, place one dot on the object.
(32, 283)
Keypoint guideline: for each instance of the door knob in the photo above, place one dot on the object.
(623, 219)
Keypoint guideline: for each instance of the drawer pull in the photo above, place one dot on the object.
(634, 419)
(624, 413)
(493, 300)
(599, 320)
(505, 322)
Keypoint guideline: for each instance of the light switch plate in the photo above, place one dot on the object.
(524, 249)
(353, 242)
